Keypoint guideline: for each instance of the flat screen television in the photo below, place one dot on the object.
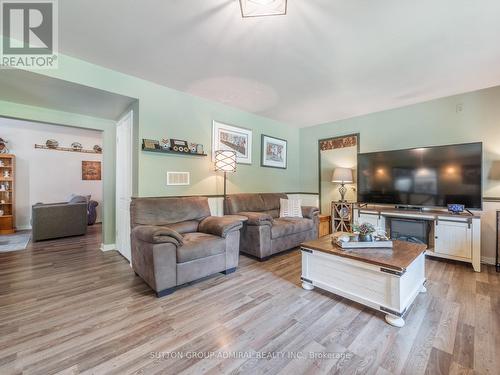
(423, 177)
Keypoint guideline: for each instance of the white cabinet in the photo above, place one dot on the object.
(453, 238)
(458, 239)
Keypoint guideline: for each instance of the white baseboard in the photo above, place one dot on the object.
(488, 260)
(24, 227)
(108, 246)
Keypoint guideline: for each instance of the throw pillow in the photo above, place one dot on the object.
(290, 207)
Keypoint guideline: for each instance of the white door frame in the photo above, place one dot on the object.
(124, 149)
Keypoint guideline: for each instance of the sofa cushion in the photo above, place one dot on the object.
(165, 211)
(257, 202)
(79, 198)
(257, 218)
(236, 203)
(273, 213)
(272, 200)
(288, 225)
(185, 226)
(200, 245)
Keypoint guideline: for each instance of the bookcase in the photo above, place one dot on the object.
(7, 194)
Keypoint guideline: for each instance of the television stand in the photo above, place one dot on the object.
(456, 237)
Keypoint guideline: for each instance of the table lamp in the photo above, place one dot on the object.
(225, 161)
(342, 176)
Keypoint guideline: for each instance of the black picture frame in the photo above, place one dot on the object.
(269, 164)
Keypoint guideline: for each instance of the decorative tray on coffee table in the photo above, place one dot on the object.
(363, 245)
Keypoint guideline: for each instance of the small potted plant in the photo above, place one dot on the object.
(365, 230)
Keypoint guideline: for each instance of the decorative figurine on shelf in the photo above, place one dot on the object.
(2, 187)
(97, 149)
(165, 144)
(2, 164)
(193, 147)
(3, 147)
(51, 143)
(199, 148)
(76, 146)
(1, 212)
(6, 174)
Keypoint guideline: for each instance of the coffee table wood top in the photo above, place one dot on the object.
(398, 258)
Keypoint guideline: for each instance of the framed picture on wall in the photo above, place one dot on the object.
(273, 152)
(232, 138)
(91, 170)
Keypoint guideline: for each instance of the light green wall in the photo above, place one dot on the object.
(38, 114)
(435, 122)
(164, 112)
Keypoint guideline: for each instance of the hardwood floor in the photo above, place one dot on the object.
(66, 307)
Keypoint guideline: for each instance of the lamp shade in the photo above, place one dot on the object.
(342, 175)
(225, 161)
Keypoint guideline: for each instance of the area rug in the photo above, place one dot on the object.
(14, 242)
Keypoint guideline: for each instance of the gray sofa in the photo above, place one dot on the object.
(175, 241)
(57, 220)
(265, 233)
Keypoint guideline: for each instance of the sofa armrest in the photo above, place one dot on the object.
(156, 234)
(220, 226)
(257, 218)
(309, 212)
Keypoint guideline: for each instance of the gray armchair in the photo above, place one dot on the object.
(176, 241)
(265, 233)
(57, 220)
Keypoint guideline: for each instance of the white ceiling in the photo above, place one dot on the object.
(325, 60)
(29, 88)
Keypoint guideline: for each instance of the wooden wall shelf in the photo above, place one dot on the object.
(68, 149)
(162, 151)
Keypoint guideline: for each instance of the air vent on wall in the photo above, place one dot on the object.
(177, 178)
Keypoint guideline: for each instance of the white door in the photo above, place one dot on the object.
(453, 238)
(123, 184)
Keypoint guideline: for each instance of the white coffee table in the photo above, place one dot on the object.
(387, 280)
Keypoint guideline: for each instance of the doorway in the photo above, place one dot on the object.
(124, 148)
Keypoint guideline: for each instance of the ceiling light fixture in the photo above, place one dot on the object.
(260, 8)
